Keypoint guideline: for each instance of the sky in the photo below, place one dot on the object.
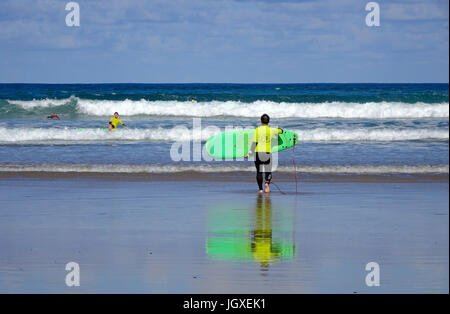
(224, 41)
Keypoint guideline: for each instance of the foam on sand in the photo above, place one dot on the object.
(170, 169)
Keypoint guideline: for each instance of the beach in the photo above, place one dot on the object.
(146, 235)
(139, 139)
(145, 209)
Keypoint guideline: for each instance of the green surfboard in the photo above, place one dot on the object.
(236, 144)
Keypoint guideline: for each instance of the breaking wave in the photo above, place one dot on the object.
(177, 134)
(346, 110)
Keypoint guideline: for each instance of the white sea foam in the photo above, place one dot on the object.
(56, 135)
(43, 103)
(161, 169)
(39, 135)
(370, 135)
(368, 110)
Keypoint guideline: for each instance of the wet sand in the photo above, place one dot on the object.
(229, 176)
(135, 234)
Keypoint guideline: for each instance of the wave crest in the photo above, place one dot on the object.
(178, 134)
(345, 110)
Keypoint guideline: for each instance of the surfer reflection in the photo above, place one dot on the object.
(264, 251)
(261, 233)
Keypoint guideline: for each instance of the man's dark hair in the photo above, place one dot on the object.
(265, 119)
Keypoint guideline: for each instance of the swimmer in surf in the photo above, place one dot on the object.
(53, 116)
(114, 121)
(262, 147)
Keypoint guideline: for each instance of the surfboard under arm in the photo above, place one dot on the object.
(236, 144)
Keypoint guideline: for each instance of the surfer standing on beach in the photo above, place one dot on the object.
(114, 121)
(262, 147)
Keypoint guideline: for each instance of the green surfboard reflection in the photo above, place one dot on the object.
(262, 234)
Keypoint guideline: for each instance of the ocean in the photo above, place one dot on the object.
(343, 128)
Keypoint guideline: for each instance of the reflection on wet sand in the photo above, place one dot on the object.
(263, 233)
(264, 251)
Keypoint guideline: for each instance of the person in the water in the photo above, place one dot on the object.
(53, 116)
(262, 147)
(114, 121)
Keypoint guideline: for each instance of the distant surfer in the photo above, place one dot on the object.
(262, 147)
(53, 116)
(193, 100)
(114, 121)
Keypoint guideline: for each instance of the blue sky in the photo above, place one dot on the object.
(177, 41)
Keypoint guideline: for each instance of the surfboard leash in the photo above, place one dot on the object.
(295, 167)
(278, 187)
(295, 173)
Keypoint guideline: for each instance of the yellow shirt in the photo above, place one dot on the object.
(263, 138)
(114, 121)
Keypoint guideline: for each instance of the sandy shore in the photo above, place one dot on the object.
(150, 234)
